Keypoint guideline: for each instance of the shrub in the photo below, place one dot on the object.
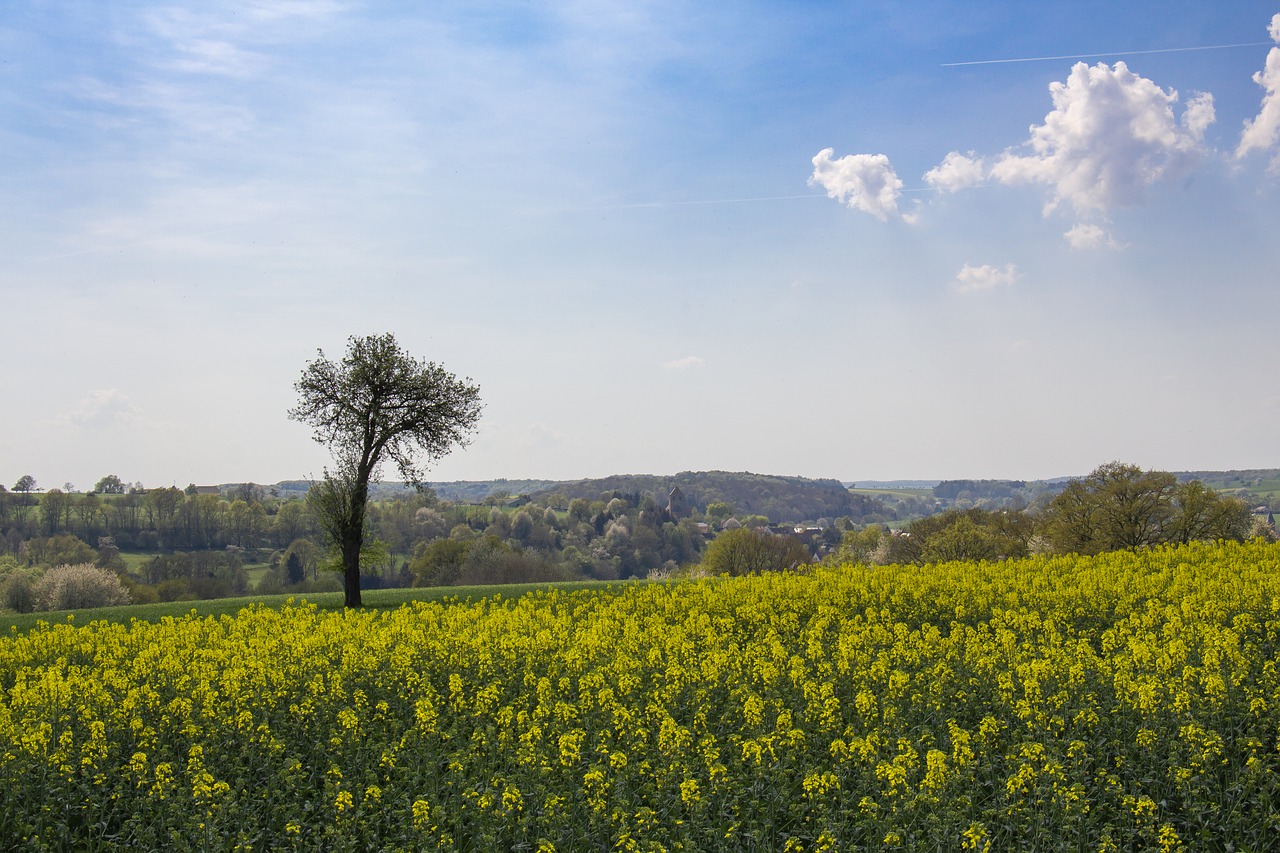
(79, 586)
(742, 551)
(16, 593)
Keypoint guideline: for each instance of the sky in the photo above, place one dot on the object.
(870, 241)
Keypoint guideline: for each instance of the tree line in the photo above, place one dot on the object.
(418, 539)
(1118, 506)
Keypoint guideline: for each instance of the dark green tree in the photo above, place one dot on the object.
(377, 403)
(109, 485)
(55, 507)
(293, 568)
(1120, 506)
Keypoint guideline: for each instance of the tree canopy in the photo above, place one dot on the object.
(377, 403)
(742, 551)
(1120, 506)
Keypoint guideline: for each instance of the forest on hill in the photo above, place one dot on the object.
(777, 498)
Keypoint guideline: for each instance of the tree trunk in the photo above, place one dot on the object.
(351, 569)
(353, 542)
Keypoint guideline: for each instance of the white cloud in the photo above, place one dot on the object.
(1262, 131)
(1086, 236)
(1111, 134)
(986, 277)
(956, 172)
(683, 363)
(102, 408)
(863, 181)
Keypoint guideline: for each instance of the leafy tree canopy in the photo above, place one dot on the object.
(377, 403)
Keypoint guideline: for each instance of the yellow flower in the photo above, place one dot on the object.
(1169, 839)
(421, 814)
(976, 838)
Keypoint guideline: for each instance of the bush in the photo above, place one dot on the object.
(16, 593)
(742, 551)
(79, 586)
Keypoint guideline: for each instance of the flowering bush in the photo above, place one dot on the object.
(1120, 702)
(79, 586)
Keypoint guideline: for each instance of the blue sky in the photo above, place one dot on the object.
(784, 238)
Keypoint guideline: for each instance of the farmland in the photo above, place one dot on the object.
(1125, 701)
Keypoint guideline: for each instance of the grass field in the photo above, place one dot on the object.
(893, 493)
(376, 599)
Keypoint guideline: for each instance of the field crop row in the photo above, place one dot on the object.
(1121, 702)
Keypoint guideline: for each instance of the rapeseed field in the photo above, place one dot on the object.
(1129, 701)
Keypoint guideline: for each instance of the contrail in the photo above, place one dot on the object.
(1112, 53)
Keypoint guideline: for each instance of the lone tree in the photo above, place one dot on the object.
(377, 403)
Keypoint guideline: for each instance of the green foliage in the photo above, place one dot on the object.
(377, 403)
(860, 547)
(746, 551)
(61, 550)
(1120, 506)
(718, 511)
(196, 574)
(110, 485)
(440, 562)
(294, 569)
(972, 534)
(777, 498)
(17, 589)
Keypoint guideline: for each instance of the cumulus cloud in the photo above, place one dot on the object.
(1262, 131)
(99, 409)
(956, 172)
(1111, 134)
(866, 182)
(682, 363)
(971, 279)
(1087, 236)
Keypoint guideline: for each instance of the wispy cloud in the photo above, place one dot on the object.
(1261, 132)
(212, 39)
(865, 182)
(973, 279)
(689, 361)
(1111, 134)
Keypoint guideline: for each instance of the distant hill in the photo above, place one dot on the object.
(475, 491)
(779, 498)
(461, 491)
(775, 497)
